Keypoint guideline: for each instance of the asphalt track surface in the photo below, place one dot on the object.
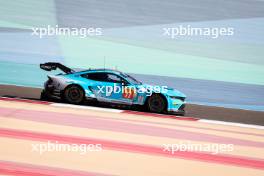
(131, 143)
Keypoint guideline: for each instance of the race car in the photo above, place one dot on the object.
(109, 86)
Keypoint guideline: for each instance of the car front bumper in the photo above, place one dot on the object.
(178, 111)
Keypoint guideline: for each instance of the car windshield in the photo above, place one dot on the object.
(131, 79)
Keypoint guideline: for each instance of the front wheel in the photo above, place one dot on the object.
(157, 104)
(74, 94)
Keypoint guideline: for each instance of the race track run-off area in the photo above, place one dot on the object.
(129, 143)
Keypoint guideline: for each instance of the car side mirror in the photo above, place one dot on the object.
(125, 83)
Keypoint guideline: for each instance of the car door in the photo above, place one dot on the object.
(97, 82)
(109, 87)
(118, 90)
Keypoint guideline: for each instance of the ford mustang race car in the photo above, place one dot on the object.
(109, 86)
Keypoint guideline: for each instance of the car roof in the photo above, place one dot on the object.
(100, 70)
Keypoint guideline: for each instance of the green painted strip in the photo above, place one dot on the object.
(27, 13)
(90, 52)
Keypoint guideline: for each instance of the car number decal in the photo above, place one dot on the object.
(129, 93)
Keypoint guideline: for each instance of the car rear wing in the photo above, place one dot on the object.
(49, 66)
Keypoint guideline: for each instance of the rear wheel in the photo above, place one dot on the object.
(74, 94)
(44, 96)
(157, 104)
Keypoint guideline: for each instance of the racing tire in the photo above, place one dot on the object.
(157, 103)
(73, 94)
(44, 96)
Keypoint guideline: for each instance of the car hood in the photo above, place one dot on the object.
(175, 92)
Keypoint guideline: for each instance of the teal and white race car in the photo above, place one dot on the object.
(110, 86)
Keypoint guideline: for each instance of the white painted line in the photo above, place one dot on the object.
(86, 107)
(232, 124)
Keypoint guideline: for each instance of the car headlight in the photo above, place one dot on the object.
(177, 97)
